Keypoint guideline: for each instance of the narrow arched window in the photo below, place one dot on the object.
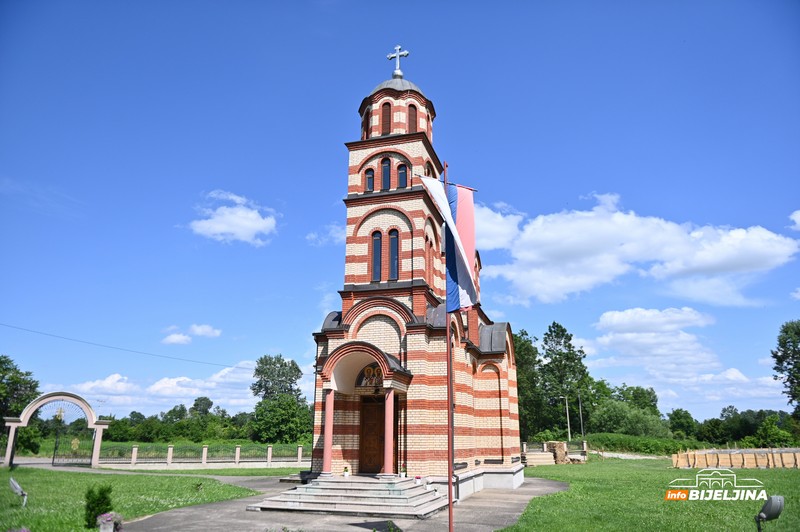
(394, 254)
(402, 176)
(369, 186)
(386, 118)
(412, 119)
(386, 174)
(376, 256)
(366, 125)
(428, 170)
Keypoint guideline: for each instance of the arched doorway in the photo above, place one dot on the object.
(70, 417)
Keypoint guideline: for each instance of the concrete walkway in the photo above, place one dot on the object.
(485, 511)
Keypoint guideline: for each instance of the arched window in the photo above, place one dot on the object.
(386, 118)
(428, 170)
(369, 186)
(376, 256)
(394, 254)
(402, 176)
(366, 125)
(412, 119)
(386, 174)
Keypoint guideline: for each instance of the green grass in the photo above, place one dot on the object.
(629, 495)
(228, 472)
(56, 498)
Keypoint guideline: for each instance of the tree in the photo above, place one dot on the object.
(175, 414)
(281, 420)
(681, 421)
(562, 372)
(276, 376)
(528, 386)
(17, 389)
(643, 398)
(201, 407)
(787, 360)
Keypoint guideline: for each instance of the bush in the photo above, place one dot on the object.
(549, 435)
(98, 501)
(641, 444)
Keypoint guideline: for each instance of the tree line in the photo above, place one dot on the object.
(553, 385)
(282, 414)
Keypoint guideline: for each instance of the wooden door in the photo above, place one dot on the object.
(371, 440)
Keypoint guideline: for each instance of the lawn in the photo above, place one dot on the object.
(226, 472)
(629, 495)
(56, 498)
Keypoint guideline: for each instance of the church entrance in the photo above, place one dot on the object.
(370, 446)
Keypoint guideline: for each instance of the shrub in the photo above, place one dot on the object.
(641, 444)
(98, 501)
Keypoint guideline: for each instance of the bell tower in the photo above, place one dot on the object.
(393, 240)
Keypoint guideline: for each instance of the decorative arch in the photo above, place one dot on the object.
(369, 214)
(99, 425)
(345, 362)
(401, 156)
(365, 305)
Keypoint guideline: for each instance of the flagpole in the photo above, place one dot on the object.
(450, 398)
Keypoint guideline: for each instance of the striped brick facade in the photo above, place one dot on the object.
(392, 318)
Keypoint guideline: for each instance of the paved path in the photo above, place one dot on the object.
(487, 510)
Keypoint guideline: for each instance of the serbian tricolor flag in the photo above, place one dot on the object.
(458, 210)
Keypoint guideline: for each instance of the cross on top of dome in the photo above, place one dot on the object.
(396, 56)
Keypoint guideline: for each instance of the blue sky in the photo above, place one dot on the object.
(172, 175)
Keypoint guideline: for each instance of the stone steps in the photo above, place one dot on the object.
(539, 458)
(399, 498)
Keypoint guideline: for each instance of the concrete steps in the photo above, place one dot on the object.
(539, 458)
(368, 496)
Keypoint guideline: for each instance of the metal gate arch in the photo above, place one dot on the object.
(99, 425)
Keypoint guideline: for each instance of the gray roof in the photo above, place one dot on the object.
(398, 84)
(493, 337)
(437, 317)
(332, 321)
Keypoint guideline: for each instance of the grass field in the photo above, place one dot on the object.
(629, 495)
(603, 495)
(56, 498)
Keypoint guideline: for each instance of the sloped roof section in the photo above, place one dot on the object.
(398, 84)
(493, 337)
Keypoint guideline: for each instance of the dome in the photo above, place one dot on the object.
(398, 84)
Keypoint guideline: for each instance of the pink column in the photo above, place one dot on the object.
(388, 433)
(327, 439)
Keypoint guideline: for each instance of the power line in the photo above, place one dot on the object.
(95, 344)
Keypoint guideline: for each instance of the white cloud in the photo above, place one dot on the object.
(495, 230)
(640, 319)
(796, 294)
(654, 340)
(331, 233)
(658, 351)
(204, 330)
(795, 217)
(177, 339)
(179, 387)
(113, 384)
(556, 255)
(242, 221)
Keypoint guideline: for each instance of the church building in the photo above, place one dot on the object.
(380, 405)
